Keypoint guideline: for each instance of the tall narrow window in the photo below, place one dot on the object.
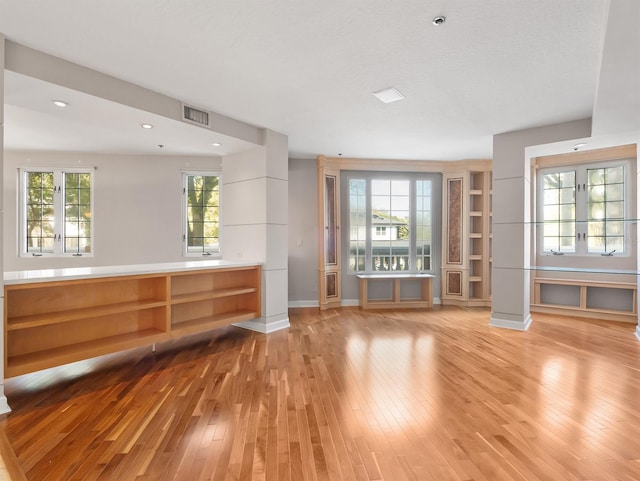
(202, 214)
(605, 209)
(559, 199)
(77, 208)
(39, 213)
(423, 225)
(390, 211)
(357, 224)
(57, 212)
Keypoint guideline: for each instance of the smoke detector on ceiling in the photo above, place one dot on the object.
(439, 20)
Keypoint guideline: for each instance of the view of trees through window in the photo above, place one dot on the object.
(39, 212)
(57, 212)
(583, 210)
(203, 210)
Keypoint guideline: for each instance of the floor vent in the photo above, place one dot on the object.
(197, 116)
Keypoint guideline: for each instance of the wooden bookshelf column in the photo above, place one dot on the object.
(56, 322)
(466, 235)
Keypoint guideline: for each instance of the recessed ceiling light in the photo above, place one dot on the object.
(216, 144)
(146, 126)
(439, 20)
(60, 103)
(388, 95)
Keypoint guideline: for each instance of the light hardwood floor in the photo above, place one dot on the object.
(346, 395)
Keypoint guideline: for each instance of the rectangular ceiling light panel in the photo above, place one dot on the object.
(388, 95)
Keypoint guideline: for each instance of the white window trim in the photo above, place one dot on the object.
(58, 208)
(581, 207)
(200, 255)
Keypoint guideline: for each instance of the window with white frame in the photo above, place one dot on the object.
(201, 213)
(390, 223)
(56, 212)
(583, 209)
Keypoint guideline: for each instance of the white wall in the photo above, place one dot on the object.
(137, 207)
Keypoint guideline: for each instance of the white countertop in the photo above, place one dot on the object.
(69, 273)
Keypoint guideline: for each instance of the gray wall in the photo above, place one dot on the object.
(138, 199)
(303, 233)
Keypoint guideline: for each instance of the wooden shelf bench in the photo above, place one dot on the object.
(396, 301)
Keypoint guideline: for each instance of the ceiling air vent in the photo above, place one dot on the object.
(194, 115)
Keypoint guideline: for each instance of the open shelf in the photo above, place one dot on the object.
(60, 321)
(204, 295)
(211, 322)
(22, 364)
(44, 319)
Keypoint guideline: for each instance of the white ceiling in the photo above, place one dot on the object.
(308, 70)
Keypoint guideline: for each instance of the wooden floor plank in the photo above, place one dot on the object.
(343, 395)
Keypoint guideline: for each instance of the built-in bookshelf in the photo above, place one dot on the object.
(466, 263)
(55, 322)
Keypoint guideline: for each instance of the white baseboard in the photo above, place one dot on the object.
(4, 405)
(502, 321)
(260, 325)
(294, 304)
(344, 303)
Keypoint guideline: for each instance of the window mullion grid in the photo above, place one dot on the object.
(368, 254)
(59, 212)
(582, 227)
(413, 266)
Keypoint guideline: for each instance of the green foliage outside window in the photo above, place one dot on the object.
(203, 211)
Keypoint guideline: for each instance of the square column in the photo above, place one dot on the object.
(255, 222)
(4, 407)
(511, 247)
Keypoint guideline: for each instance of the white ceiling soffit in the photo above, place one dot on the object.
(92, 124)
(308, 69)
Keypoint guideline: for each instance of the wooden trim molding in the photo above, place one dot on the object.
(386, 165)
(611, 153)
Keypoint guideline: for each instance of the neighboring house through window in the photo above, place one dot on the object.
(389, 223)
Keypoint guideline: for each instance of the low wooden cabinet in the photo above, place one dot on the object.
(52, 323)
(206, 300)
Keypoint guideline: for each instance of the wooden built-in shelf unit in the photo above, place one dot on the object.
(466, 235)
(52, 323)
(465, 274)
